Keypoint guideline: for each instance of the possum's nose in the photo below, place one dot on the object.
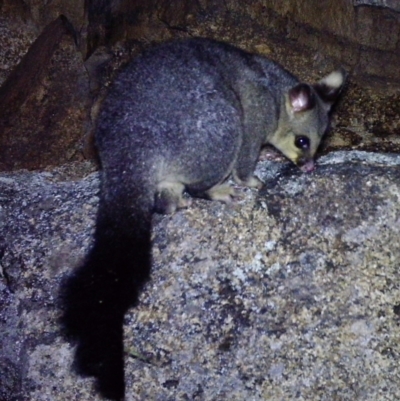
(307, 166)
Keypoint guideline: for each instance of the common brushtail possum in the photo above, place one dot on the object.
(182, 117)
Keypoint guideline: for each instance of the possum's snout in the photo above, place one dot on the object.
(308, 166)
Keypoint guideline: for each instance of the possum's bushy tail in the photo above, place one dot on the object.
(99, 293)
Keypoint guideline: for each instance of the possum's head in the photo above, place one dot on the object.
(304, 118)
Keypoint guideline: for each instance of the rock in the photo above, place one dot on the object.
(290, 294)
(45, 103)
(392, 4)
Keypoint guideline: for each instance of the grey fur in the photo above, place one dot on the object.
(186, 115)
(183, 116)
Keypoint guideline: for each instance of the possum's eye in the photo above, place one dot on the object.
(302, 142)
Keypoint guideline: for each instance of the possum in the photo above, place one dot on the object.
(183, 117)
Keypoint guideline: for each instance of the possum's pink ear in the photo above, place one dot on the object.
(301, 98)
(329, 87)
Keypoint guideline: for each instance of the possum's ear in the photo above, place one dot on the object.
(301, 98)
(329, 87)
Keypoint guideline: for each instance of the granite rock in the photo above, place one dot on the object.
(291, 293)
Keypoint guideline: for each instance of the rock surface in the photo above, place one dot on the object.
(293, 293)
(392, 4)
(44, 103)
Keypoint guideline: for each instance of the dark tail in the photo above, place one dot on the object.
(99, 293)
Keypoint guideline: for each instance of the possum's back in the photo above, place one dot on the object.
(168, 80)
(175, 98)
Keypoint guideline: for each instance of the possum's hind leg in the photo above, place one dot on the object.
(169, 197)
(223, 192)
(251, 181)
